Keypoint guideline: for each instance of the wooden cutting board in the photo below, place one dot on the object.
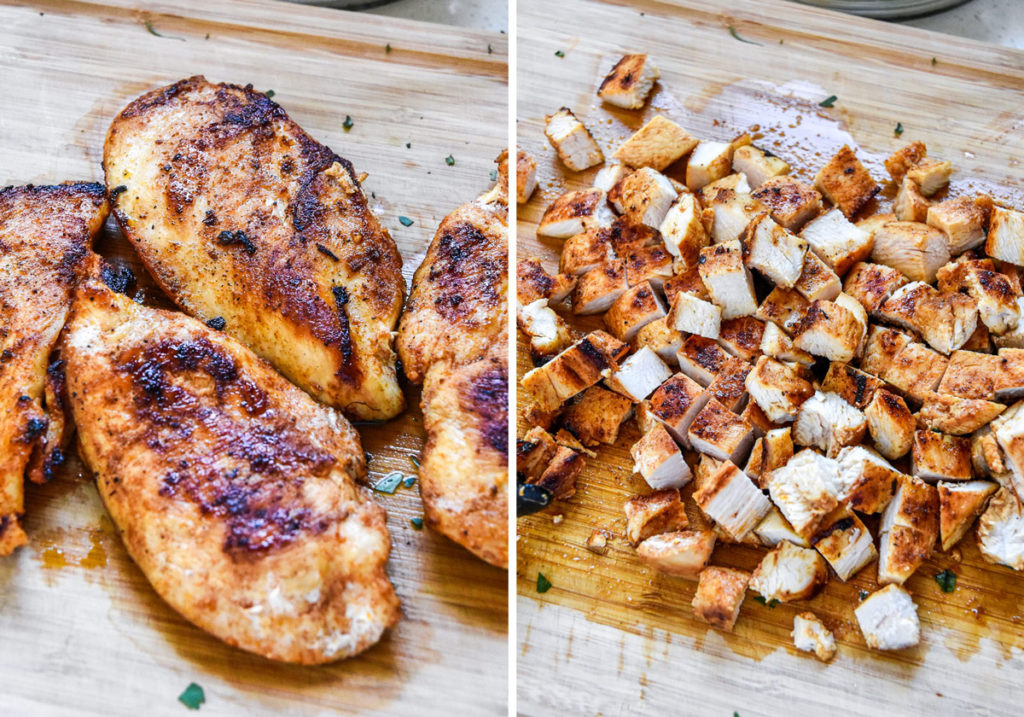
(81, 631)
(611, 637)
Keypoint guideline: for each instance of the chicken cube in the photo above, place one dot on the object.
(987, 456)
(596, 417)
(599, 288)
(610, 175)
(756, 418)
(727, 279)
(810, 635)
(1009, 381)
(660, 338)
(649, 264)
(784, 307)
(930, 174)
(701, 359)
(957, 415)
(598, 541)
(865, 480)
(993, 291)
(645, 196)
(728, 213)
(774, 251)
(792, 203)
(526, 176)
(720, 593)
(728, 386)
(585, 251)
(910, 205)
(657, 458)
(901, 551)
(853, 385)
(916, 371)
(915, 504)
(758, 165)
(636, 308)
(709, 161)
(547, 332)
(846, 183)
(789, 573)
(683, 554)
(1001, 531)
(735, 183)
(959, 504)
(695, 316)
(905, 158)
(775, 529)
(828, 422)
(915, 249)
(534, 451)
(776, 344)
(560, 474)
(720, 433)
(675, 403)
(817, 281)
(654, 514)
(771, 451)
(845, 542)
(639, 375)
(938, 456)
(533, 282)
(802, 490)
(871, 284)
(946, 320)
(682, 230)
(836, 241)
(629, 82)
(890, 423)
(1008, 430)
(686, 281)
(971, 375)
(572, 141)
(830, 330)
(742, 337)
(657, 144)
(888, 619)
(777, 389)
(1006, 235)
(732, 500)
(881, 347)
(628, 234)
(581, 365)
(962, 219)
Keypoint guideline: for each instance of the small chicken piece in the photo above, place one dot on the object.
(560, 474)
(596, 417)
(598, 541)
(903, 159)
(993, 291)
(742, 337)
(959, 504)
(654, 514)
(526, 176)
(758, 165)
(784, 307)
(776, 344)
(577, 368)
(533, 282)
(916, 371)
(651, 264)
(572, 141)
(1001, 531)
(735, 183)
(962, 219)
(865, 480)
(701, 359)
(777, 389)
(660, 338)
(547, 332)
(802, 491)
(645, 196)
(728, 386)
(817, 281)
(871, 284)
(890, 423)
(853, 385)
(810, 635)
(639, 375)
(888, 619)
(986, 455)
(938, 456)
(971, 375)
(728, 281)
(629, 82)
(682, 230)
(686, 281)
(789, 573)
(915, 249)
(636, 308)
(683, 553)
(732, 500)
(828, 422)
(1008, 430)
(846, 183)
(845, 542)
(771, 451)
(728, 213)
(946, 320)
(881, 347)
(695, 316)
(900, 308)
(775, 529)
(915, 504)
(792, 203)
(720, 593)
(534, 452)
(599, 288)
(675, 404)
(836, 241)
(709, 162)
(610, 175)
(830, 330)
(657, 144)
(1009, 381)
(956, 415)
(930, 174)
(1006, 235)
(585, 251)
(774, 251)
(902, 550)
(720, 433)
(658, 459)
(910, 205)
(575, 212)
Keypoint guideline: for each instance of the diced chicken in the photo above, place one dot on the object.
(987, 456)
(742, 337)
(971, 375)
(830, 330)
(888, 619)
(610, 175)
(728, 387)
(1008, 430)
(996, 297)
(660, 338)
(775, 529)
(585, 251)
(828, 422)
(649, 264)
(1012, 338)
(915, 249)
(682, 230)
(905, 158)
(957, 415)
(792, 203)
(756, 418)
(629, 82)
(701, 359)
(534, 451)
(732, 500)
(758, 165)
(959, 504)
(881, 347)
(533, 282)
(598, 541)
(810, 635)
(596, 417)
(845, 542)
(910, 205)
(900, 308)
(865, 480)
(1001, 531)
(777, 389)
(930, 174)
(654, 514)
(547, 332)
(572, 141)
(963, 221)
(854, 307)
(695, 316)
(526, 176)
(720, 593)
(946, 320)
(599, 288)
(836, 241)
(1006, 235)
(720, 433)
(639, 375)
(846, 183)
(909, 528)
(727, 279)
(802, 490)
(817, 281)
(709, 161)
(789, 573)
(1009, 380)
(657, 144)
(675, 403)
(736, 183)
(938, 456)
(658, 459)
(686, 281)
(890, 423)
(916, 371)
(561, 473)
(728, 212)
(871, 284)
(776, 344)
(636, 308)
(901, 551)
(683, 554)
(853, 385)
(771, 451)
(577, 368)
(645, 197)
(774, 251)
(784, 307)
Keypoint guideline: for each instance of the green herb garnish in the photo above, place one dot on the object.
(406, 221)
(409, 481)
(192, 697)
(389, 483)
(829, 101)
(770, 604)
(387, 48)
(408, 145)
(559, 53)
(449, 160)
(270, 93)
(494, 175)
(490, 50)
(154, 33)
(934, 62)
(862, 594)
(946, 580)
(347, 124)
(417, 523)
(543, 584)
(415, 462)
(736, 35)
(899, 129)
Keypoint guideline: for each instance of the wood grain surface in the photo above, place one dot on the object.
(81, 631)
(612, 637)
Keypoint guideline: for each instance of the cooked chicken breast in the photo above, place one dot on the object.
(888, 619)
(453, 337)
(45, 236)
(241, 216)
(233, 490)
(811, 635)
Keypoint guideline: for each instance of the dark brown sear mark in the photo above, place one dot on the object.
(487, 397)
(460, 271)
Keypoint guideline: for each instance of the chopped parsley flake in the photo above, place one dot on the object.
(415, 462)
(899, 129)
(934, 62)
(270, 93)
(829, 101)
(406, 221)
(417, 523)
(387, 48)
(770, 604)
(192, 697)
(154, 33)
(409, 481)
(449, 160)
(946, 580)
(559, 53)
(389, 483)
(862, 594)
(736, 35)
(408, 145)
(494, 175)
(490, 50)
(347, 124)
(543, 584)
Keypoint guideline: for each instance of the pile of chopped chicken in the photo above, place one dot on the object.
(814, 364)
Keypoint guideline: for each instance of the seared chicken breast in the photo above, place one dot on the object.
(233, 490)
(453, 337)
(45, 239)
(247, 221)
